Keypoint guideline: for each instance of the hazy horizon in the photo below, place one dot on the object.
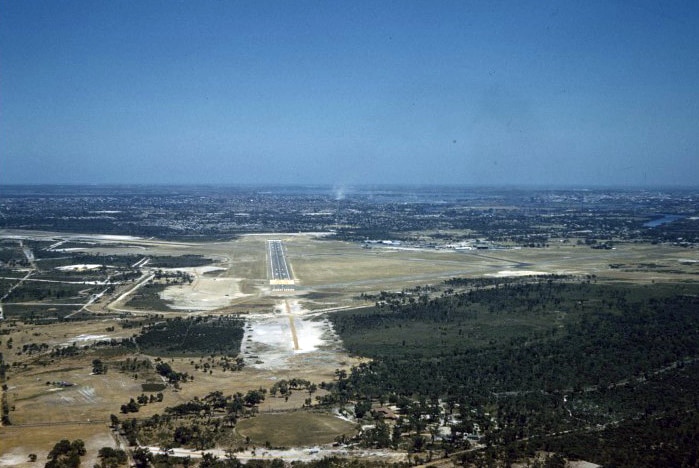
(355, 187)
(491, 94)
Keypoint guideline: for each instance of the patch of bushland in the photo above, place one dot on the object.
(192, 336)
(180, 261)
(148, 297)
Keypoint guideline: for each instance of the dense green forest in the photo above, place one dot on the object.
(529, 361)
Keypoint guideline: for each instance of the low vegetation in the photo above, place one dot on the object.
(200, 423)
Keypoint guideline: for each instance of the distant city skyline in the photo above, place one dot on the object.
(600, 93)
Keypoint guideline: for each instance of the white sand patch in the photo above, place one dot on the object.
(310, 335)
(509, 273)
(203, 294)
(269, 342)
(197, 271)
(17, 457)
(582, 464)
(85, 266)
(207, 269)
(271, 335)
(113, 237)
(338, 415)
(86, 337)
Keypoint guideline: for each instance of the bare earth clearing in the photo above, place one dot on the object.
(284, 336)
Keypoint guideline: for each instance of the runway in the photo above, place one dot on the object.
(281, 277)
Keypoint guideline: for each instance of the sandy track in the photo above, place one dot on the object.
(292, 326)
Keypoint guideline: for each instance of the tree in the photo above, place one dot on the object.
(395, 437)
(60, 448)
(66, 454)
(78, 446)
(254, 397)
(142, 457)
(183, 435)
(361, 408)
(208, 460)
(132, 406)
(98, 367)
(111, 458)
(418, 443)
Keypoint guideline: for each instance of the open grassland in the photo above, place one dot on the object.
(59, 334)
(344, 270)
(65, 390)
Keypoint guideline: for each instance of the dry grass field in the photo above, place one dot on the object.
(328, 273)
(293, 429)
(18, 442)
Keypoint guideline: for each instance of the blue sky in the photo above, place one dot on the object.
(353, 92)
